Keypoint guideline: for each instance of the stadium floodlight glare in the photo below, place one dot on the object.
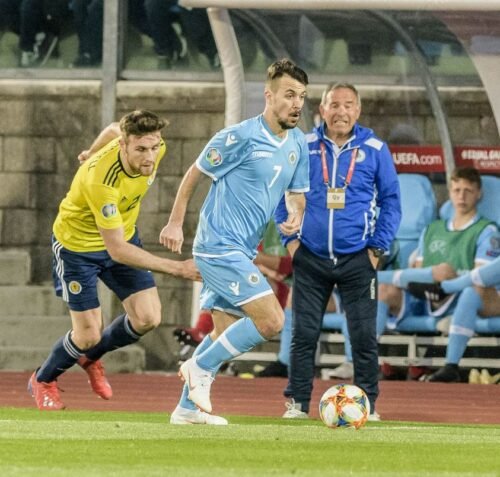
(347, 4)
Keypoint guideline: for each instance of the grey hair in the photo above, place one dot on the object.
(334, 86)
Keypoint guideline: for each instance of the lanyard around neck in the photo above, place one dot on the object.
(324, 165)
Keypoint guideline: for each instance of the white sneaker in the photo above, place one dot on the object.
(343, 371)
(374, 417)
(474, 376)
(199, 382)
(486, 378)
(187, 416)
(294, 411)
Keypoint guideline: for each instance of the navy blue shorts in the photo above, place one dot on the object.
(75, 276)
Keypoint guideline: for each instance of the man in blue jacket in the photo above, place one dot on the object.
(340, 242)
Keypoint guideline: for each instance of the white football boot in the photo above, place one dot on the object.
(199, 382)
(187, 416)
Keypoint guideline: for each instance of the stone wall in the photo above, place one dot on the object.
(45, 124)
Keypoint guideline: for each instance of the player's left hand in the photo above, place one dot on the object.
(292, 224)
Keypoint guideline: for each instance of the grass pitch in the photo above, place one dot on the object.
(77, 443)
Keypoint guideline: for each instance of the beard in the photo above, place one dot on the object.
(283, 124)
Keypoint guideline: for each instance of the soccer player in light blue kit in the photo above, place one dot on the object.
(252, 165)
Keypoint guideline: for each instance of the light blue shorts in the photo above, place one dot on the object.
(229, 282)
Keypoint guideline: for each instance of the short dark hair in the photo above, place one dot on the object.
(286, 67)
(470, 174)
(334, 86)
(141, 122)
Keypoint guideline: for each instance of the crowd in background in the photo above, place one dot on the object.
(40, 24)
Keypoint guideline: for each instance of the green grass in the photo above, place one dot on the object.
(90, 444)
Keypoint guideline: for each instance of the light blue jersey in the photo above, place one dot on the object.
(251, 169)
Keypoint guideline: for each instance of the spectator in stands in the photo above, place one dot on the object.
(28, 19)
(154, 18)
(196, 27)
(88, 18)
(162, 21)
(445, 249)
(478, 299)
(340, 242)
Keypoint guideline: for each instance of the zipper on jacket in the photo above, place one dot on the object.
(332, 211)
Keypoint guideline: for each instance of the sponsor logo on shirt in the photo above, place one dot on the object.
(74, 287)
(109, 210)
(262, 154)
(235, 288)
(292, 158)
(231, 139)
(214, 157)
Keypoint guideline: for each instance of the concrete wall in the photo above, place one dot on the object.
(45, 124)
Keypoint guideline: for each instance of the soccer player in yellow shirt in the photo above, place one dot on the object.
(95, 236)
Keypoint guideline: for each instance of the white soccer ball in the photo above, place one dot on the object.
(344, 405)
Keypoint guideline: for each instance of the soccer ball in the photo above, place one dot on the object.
(344, 405)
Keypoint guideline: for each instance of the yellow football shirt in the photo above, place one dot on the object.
(101, 195)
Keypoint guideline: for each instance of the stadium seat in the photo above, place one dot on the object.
(418, 205)
(333, 321)
(488, 326)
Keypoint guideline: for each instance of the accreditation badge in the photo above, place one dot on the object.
(335, 198)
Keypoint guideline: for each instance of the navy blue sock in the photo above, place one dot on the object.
(116, 335)
(64, 354)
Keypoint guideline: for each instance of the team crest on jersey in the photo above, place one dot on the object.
(292, 158)
(438, 246)
(214, 157)
(74, 287)
(109, 210)
(253, 279)
(360, 156)
(151, 178)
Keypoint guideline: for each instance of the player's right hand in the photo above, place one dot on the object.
(172, 237)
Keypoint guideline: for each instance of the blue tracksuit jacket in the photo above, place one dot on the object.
(372, 210)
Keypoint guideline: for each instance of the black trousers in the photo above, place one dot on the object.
(313, 281)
